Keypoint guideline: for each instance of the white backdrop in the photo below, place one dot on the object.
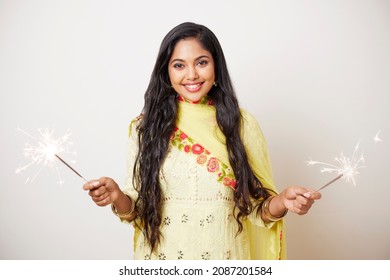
(316, 74)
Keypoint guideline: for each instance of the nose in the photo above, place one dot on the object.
(192, 74)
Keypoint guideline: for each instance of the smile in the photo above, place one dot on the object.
(193, 87)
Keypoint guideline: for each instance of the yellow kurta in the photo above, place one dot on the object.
(197, 185)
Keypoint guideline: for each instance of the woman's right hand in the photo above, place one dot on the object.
(103, 191)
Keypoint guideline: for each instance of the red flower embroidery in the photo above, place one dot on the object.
(180, 98)
(183, 136)
(227, 181)
(201, 159)
(213, 165)
(187, 148)
(197, 149)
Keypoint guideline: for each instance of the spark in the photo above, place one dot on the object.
(346, 167)
(376, 137)
(44, 152)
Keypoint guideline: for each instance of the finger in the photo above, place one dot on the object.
(103, 180)
(106, 201)
(97, 192)
(312, 195)
(91, 185)
(100, 197)
(302, 208)
(302, 200)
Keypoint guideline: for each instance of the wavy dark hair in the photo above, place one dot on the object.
(158, 122)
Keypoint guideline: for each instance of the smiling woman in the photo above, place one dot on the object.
(199, 177)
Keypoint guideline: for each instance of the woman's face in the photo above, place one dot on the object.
(191, 70)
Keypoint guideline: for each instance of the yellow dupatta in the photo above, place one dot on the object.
(199, 121)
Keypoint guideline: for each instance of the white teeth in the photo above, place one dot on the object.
(192, 87)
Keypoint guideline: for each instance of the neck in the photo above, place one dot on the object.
(205, 100)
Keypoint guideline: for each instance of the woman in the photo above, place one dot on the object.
(199, 183)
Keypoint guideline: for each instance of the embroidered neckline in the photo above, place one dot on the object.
(205, 100)
(203, 157)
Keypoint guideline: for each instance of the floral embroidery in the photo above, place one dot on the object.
(162, 256)
(147, 257)
(185, 143)
(184, 218)
(201, 159)
(281, 245)
(205, 100)
(202, 223)
(210, 219)
(197, 149)
(180, 255)
(167, 221)
(206, 256)
(213, 165)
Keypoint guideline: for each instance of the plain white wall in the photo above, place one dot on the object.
(316, 74)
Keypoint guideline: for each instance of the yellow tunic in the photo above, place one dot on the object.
(197, 185)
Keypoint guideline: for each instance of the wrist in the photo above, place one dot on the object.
(124, 209)
(272, 210)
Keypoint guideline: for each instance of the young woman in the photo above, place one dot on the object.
(199, 183)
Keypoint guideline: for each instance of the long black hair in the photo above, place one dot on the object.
(158, 123)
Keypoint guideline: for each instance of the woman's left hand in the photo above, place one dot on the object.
(299, 199)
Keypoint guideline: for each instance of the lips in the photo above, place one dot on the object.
(193, 87)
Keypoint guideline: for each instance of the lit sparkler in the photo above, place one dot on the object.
(347, 168)
(377, 138)
(45, 151)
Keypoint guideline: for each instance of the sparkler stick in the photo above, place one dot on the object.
(64, 162)
(330, 182)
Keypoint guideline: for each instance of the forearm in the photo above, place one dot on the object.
(122, 203)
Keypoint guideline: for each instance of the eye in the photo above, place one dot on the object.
(203, 62)
(178, 65)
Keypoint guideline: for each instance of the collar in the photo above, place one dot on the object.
(204, 101)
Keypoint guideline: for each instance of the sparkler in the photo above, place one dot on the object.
(45, 151)
(377, 138)
(347, 168)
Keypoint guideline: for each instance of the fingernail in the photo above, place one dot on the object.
(307, 195)
(95, 184)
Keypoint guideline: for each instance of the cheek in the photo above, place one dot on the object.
(174, 77)
(209, 73)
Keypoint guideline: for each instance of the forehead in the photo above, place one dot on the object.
(188, 49)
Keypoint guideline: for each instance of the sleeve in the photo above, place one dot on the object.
(259, 160)
(257, 150)
(132, 149)
(267, 241)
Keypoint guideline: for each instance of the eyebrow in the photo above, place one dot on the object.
(182, 60)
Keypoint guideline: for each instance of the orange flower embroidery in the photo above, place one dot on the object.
(201, 159)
